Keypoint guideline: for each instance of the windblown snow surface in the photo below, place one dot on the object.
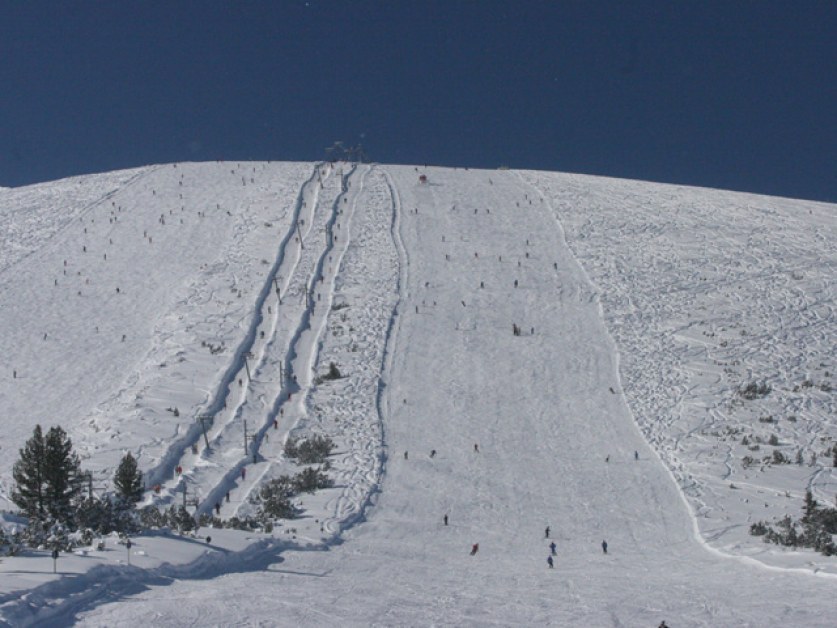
(134, 302)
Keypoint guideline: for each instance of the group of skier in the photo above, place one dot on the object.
(552, 549)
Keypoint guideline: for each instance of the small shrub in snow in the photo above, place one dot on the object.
(754, 390)
(758, 529)
(274, 499)
(818, 524)
(179, 518)
(311, 479)
(150, 517)
(312, 450)
(333, 373)
(247, 523)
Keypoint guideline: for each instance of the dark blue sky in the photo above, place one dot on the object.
(739, 95)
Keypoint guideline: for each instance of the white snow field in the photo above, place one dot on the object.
(614, 415)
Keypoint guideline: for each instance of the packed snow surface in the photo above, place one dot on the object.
(134, 304)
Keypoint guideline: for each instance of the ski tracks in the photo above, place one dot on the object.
(363, 335)
(339, 276)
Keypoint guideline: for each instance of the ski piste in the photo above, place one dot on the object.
(630, 299)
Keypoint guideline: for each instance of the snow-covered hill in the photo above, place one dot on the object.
(223, 290)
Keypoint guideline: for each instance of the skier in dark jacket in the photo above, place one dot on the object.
(550, 562)
(475, 548)
(552, 548)
(604, 546)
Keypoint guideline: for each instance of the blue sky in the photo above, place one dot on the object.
(738, 95)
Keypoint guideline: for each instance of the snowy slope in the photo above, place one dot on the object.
(413, 290)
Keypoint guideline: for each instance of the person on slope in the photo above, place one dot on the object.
(546, 532)
(475, 548)
(604, 546)
(550, 562)
(552, 548)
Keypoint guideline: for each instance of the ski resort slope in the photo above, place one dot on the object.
(536, 429)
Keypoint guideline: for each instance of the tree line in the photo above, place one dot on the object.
(50, 491)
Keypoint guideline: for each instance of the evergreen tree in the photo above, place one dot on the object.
(29, 493)
(128, 480)
(62, 474)
(810, 508)
(95, 514)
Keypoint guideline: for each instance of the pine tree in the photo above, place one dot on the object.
(128, 479)
(29, 493)
(95, 514)
(810, 508)
(62, 474)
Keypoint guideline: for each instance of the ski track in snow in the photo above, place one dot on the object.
(643, 308)
(697, 314)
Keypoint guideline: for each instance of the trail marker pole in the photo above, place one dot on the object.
(202, 418)
(247, 357)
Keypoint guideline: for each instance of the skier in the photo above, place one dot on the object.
(432, 453)
(446, 520)
(243, 473)
(405, 455)
(228, 497)
(475, 548)
(636, 455)
(476, 448)
(546, 532)
(217, 508)
(549, 562)
(552, 548)
(607, 459)
(604, 546)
